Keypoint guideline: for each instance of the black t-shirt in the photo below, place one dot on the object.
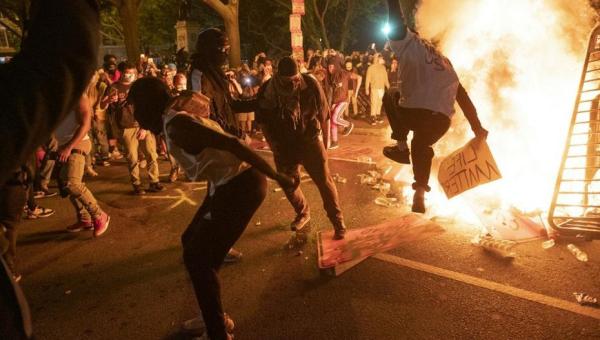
(121, 110)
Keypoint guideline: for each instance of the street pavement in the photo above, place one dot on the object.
(131, 283)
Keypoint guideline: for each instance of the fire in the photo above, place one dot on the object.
(520, 61)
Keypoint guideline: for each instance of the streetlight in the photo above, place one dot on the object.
(386, 29)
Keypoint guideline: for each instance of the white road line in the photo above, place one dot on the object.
(497, 287)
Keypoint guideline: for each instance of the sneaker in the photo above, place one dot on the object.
(372, 121)
(418, 205)
(39, 212)
(44, 193)
(380, 120)
(393, 153)
(348, 129)
(155, 187)
(233, 255)
(334, 145)
(101, 162)
(173, 175)
(197, 327)
(79, 226)
(90, 171)
(101, 224)
(300, 222)
(138, 190)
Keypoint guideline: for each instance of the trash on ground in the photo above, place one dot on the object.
(258, 223)
(278, 189)
(388, 202)
(548, 244)
(502, 248)
(578, 253)
(68, 292)
(585, 300)
(339, 179)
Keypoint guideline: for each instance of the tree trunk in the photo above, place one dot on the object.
(232, 28)
(128, 12)
(229, 14)
(321, 18)
(346, 27)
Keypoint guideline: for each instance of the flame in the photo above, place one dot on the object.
(520, 61)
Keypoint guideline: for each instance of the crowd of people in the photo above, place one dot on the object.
(202, 118)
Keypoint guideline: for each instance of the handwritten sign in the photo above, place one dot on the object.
(467, 168)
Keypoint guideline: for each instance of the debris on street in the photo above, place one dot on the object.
(578, 253)
(339, 179)
(502, 248)
(548, 244)
(585, 300)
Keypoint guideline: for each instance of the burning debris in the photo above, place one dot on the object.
(501, 248)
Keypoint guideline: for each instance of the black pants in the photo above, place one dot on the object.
(427, 126)
(313, 157)
(206, 242)
(12, 199)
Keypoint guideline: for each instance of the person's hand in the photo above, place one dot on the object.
(481, 133)
(114, 97)
(141, 135)
(62, 155)
(287, 183)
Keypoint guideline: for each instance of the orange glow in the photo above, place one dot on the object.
(520, 61)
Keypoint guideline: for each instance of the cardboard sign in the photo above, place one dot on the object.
(467, 168)
(361, 243)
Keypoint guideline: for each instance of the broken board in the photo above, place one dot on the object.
(336, 257)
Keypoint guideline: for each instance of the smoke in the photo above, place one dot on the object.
(520, 61)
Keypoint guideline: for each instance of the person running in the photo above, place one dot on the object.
(429, 87)
(291, 109)
(237, 186)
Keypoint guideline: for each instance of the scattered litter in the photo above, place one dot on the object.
(258, 223)
(306, 257)
(389, 202)
(548, 244)
(386, 170)
(339, 179)
(479, 269)
(366, 179)
(364, 159)
(299, 253)
(502, 248)
(284, 198)
(278, 189)
(585, 300)
(578, 253)
(384, 187)
(68, 292)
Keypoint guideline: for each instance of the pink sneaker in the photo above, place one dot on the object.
(101, 224)
(79, 226)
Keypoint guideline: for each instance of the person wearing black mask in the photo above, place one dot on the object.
(208, 78)
(292, 108)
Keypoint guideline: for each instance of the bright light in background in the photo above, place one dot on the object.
(386, 29)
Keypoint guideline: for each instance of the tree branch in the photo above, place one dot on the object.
(217, 6)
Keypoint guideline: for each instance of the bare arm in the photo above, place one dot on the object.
(396, 21)
(468, 108)
(193, 138)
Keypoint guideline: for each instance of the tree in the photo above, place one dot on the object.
(129, 17)
(229, 12)
(14, 15)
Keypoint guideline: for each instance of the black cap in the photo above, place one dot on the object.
(287, 67)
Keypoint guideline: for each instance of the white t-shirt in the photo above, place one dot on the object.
(66, 130)
(427, 77)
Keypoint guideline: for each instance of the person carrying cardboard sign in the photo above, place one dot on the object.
(426, 104)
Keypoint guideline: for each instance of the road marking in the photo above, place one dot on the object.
(494, 286)
(183, 197)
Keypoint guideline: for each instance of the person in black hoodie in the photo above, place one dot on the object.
(37, 90)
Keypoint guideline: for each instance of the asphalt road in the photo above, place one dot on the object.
(131, 283)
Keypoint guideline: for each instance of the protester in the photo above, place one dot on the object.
(354, 84)
(100, 147)
(50, 79)
(375, 86)
(336, 89)
(292, 107)
(237, 188)
(429, 88)
(208, 78)
(134, 136)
